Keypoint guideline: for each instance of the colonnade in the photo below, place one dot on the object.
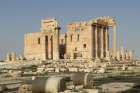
(101, 38)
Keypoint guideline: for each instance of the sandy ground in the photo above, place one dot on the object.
(117, 86)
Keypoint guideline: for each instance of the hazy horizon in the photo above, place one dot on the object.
(20, 17)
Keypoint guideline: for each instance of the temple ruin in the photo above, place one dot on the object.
(84, 40)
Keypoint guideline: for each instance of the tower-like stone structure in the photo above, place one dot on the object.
(50, 32)
(44, 44)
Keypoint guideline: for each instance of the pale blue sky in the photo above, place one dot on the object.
(21, 16)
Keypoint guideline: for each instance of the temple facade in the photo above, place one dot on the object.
(84, 40)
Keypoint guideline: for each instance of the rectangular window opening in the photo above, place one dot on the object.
(39, 40)
(78, 37)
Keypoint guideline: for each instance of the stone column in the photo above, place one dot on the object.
(118, 55)
(91, 41)
(114, 41)
(106, 43)
(56, 44)
(102, 42)
(131, 55)
(8, 57)
(65, 43)
(43, 47)
(96, 42)
(126, 55)
(65, 55)
(13, 56)
(49, 47)
(123, 53)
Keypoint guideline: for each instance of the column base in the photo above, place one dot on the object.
(107, 58)
(102, 56)
(97, 59)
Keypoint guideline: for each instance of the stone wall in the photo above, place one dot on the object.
(33, 46)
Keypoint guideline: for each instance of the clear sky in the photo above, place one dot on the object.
(18, 17)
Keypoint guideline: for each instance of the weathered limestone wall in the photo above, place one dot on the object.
(33, 46)
(79, 40)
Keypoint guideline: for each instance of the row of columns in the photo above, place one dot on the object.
(51, 45)
(102, 42)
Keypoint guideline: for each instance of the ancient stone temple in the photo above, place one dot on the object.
(84, 40)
